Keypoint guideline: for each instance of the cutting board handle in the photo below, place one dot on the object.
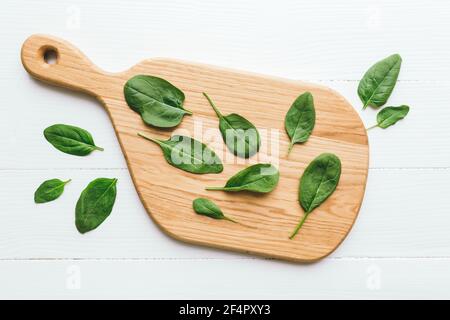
(71, 68)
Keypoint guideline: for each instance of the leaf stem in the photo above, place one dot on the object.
(148, 138)
(366, 104)
(66, 182)
(213, 105)
(99, 148)
(290, 148)
(189, 112)
(215, 188)
(223, 188)
(229, 219)
(300, 224)
(367, 129)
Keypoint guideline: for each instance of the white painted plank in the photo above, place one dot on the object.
(405, 214)
(322, 39)
(421, 139)
(48, 230)
(226, 279)
(418, 141)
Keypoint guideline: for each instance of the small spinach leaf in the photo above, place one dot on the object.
(300, 119)
(70, 139)
(188, 154)
(262, 178)
(389, 116)
(208, 208)
(240, 135)
(95, 204)
(317, 183)
(159, 103)
(49, 190)
(378, 82)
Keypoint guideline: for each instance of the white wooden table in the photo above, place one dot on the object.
(400, 244)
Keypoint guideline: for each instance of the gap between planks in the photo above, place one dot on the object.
(362, 258)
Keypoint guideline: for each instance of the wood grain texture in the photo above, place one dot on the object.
(167, 193)
(398, 147)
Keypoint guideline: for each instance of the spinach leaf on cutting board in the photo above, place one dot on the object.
(261, 178)
(240, 135)
(159, 103)
(300, 119)
(318, 182)
(208, 208)
(188, 154)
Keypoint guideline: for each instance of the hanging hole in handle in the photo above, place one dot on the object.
(49, 55)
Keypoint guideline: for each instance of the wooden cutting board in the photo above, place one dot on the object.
(167, 192)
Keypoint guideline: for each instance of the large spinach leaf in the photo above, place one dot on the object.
(318, 182)
(300, 119)
(70, 139)
(159, 103)
(261, 177)
(95, 204)
(240, 135)
(188, 154)
(378, 82)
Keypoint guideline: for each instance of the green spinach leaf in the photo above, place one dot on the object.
(378, 82)
(159, 103)
(49, 190)
(208, 208)
(188, 154)
(95, 204)
(240, 135)
(389, 116)
(318, 182)
(261, 177)
(70, 139)
(300, 119)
